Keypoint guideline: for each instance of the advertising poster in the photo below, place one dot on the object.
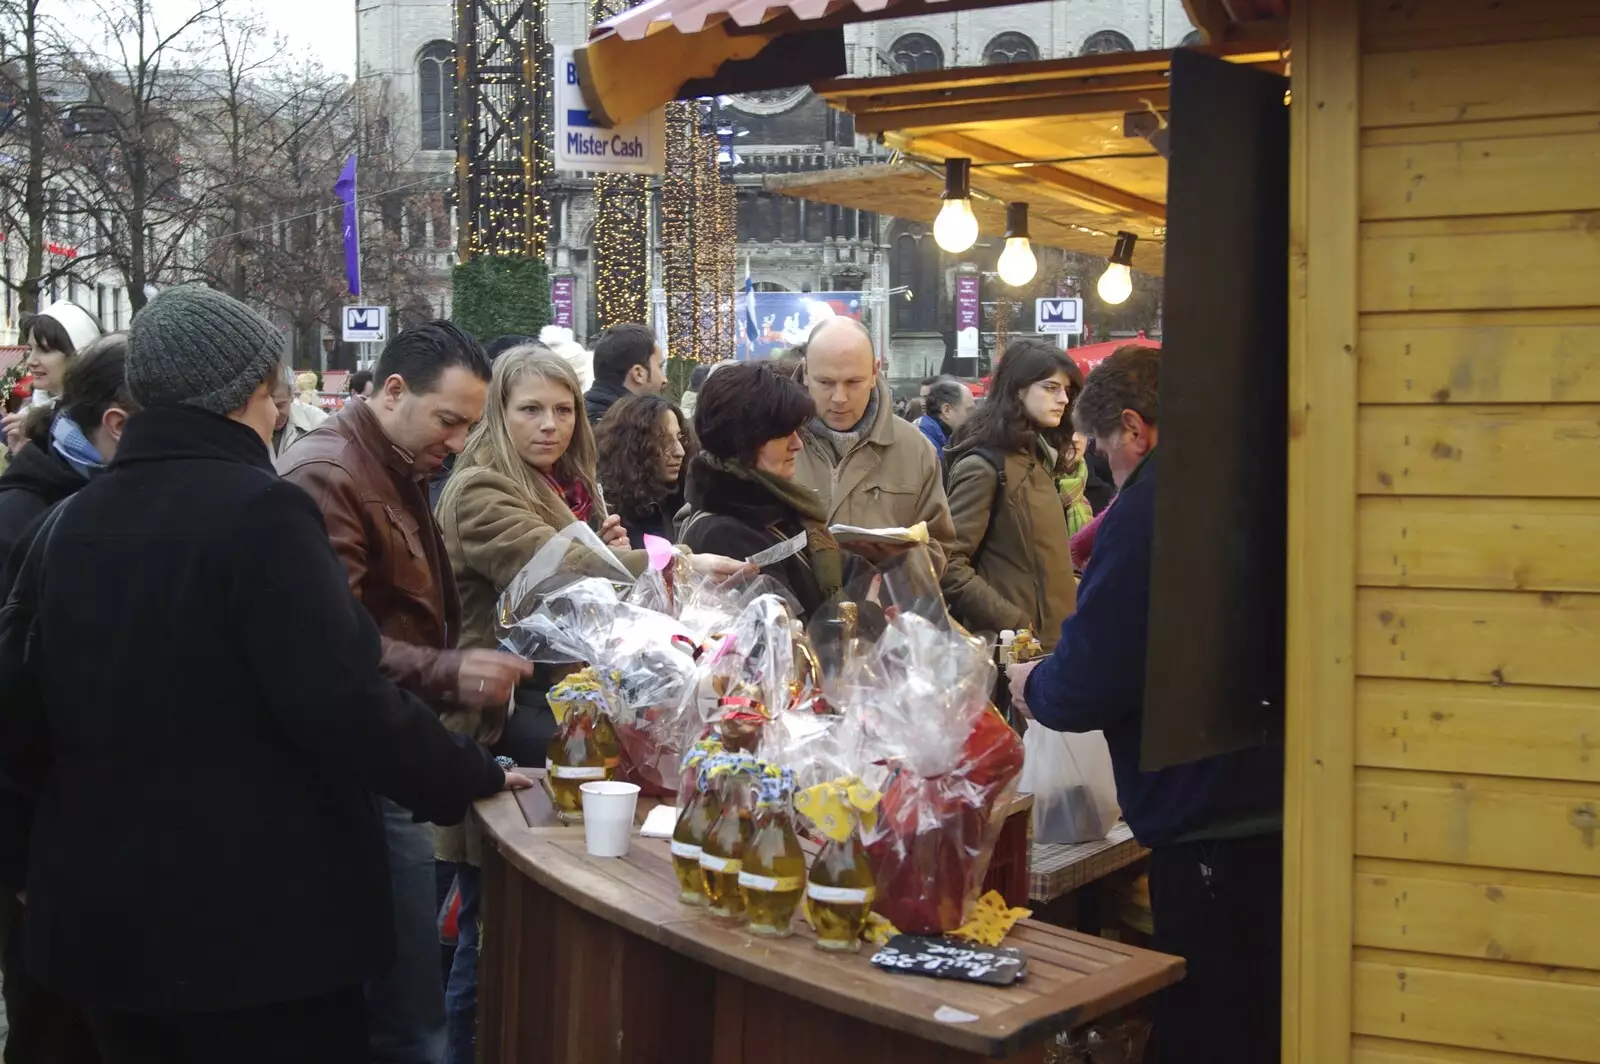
(784, 319)
(561, 300)
(968, 315)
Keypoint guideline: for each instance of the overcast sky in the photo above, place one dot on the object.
(325, 29)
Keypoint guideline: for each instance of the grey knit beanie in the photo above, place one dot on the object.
(193, 346)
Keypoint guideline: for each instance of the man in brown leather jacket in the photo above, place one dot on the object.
(367, 469)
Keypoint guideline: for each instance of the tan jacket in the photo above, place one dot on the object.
(376, 508)
(1024, 576)
(891, 478)
(490, 532)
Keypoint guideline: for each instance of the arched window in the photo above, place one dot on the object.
(1011, 48)
(914, 265)
(436, 96)
(917, 51)
(1106, 41)
(1192, 39)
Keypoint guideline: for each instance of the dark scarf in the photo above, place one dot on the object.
(827, 563)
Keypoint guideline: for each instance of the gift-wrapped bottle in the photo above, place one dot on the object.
(584, 747)
(839, 887)
(699, 811)
(773, 873)
(722, 852)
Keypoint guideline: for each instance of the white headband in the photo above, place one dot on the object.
(81, 328)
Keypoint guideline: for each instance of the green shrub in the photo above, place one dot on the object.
(493, 295)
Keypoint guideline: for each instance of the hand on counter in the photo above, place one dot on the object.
(516, 781)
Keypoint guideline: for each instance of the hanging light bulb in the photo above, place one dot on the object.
(1017, 264)
(956, 228)
(1116, 284)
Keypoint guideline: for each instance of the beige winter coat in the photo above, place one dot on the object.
(889, 479)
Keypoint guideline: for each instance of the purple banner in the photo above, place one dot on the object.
(345, 189)
(561, 300)
(967, 316)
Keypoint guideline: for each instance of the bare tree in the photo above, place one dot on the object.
(129, 144)
(34, 163)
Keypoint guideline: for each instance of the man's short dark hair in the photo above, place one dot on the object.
(359, 381)
(744, 405)
(501, 344)
(420, 355)
(1128, 380)
(944, 392)
(619, 349)
(697, 378)
(937, 378)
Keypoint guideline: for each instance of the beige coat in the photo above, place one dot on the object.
(1024, 576)
(891, 478)
(490, 532)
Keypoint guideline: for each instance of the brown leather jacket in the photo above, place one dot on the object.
(376, 508)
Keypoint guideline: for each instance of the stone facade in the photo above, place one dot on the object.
(790, 245)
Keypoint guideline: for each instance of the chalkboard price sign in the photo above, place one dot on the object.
(948, 958)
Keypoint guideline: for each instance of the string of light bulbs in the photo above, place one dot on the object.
(956, 230)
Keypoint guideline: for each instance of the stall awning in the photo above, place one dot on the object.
(1076, 139)
(664, 50)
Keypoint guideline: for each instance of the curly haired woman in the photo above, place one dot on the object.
(645, 444)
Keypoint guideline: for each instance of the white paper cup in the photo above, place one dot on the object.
(608, 807)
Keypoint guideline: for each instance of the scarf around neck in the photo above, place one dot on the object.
(844, 442)
(827, 564)
(575, 495)
(68, 440)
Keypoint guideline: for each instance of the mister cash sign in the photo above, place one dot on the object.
(583, 142)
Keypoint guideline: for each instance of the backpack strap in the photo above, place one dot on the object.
(998, 462)
(29, 577)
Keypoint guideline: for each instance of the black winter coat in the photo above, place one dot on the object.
(735, 518)
(214, 729)
(36, 480)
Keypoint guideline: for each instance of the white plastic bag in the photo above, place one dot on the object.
(1074, 791)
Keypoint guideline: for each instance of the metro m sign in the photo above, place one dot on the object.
(366, 324)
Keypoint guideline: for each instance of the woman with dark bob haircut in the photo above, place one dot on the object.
(740, 488)
(644, 444)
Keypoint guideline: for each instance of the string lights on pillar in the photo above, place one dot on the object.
(698, 234)
(621, 231)
(503, 155)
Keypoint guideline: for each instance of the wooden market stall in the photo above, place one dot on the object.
(1442, 297)
(595, 960)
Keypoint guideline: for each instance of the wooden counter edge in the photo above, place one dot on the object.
(1140, 975)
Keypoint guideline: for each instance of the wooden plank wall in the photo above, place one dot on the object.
(1476, 895)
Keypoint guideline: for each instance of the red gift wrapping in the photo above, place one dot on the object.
(931, 845)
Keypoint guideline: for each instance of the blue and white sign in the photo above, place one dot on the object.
(1058, 316)
(583, 143)
(366, 325)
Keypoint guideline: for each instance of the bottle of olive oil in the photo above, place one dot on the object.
(694, 823)
(774, 870)
(839, 887)
(722, 853)
(585, 746)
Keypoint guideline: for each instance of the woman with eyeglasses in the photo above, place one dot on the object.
(644, 445)
(1012, 566)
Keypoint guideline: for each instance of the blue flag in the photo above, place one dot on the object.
(752, 330)
(345, 189)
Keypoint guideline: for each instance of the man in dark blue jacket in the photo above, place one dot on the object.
(1214, 826)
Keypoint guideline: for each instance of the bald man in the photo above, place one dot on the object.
(870, 468)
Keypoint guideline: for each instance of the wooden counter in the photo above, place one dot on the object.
(594, 961)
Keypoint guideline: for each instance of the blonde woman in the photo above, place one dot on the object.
(527, 472)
